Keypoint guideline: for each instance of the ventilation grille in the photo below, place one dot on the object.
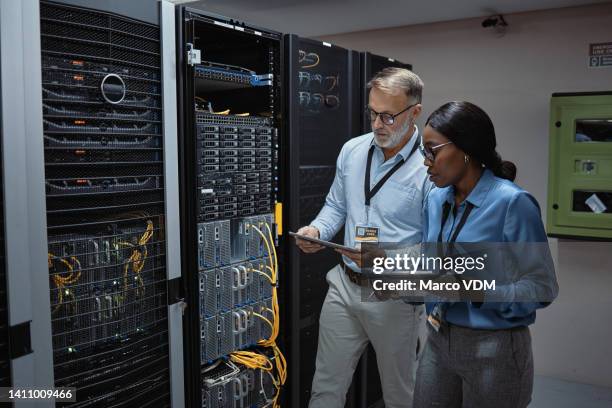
(105, 206)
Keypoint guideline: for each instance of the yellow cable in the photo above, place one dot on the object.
(273, 247)
(252, 360)
(267, 245)
(61, 281)
(137, 258)
(280, 361)
(265, 319)
(281, 368)
(281, 364)
(262, 273)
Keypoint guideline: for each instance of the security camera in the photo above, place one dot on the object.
(497, 23)
(494, 21)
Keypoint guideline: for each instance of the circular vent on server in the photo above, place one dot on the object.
(113, 88)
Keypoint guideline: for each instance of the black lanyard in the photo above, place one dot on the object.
(446, 211)
(369, 194)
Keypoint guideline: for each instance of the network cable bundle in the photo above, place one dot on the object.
(232, 163)
(105, 206)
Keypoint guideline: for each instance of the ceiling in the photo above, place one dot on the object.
(323, 17)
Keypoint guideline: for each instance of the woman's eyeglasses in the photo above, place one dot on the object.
(430, 152)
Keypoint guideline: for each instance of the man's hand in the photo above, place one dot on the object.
(366, 255)
(306, 246)
(353, 256)
(370, 252)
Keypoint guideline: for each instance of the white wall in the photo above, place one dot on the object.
(512, 78)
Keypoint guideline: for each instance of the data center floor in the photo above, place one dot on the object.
(554, 393)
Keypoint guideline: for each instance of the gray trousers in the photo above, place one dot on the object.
(468, 368)
(345, 327)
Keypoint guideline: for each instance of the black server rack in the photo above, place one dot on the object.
(231, 107)
(369, 65)
(105, 202)
(322, 84)
(367, 375)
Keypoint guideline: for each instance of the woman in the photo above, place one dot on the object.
(478, 353)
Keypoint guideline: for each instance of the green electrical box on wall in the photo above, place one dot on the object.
(580, 166)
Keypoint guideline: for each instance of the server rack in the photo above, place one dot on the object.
(368, 377)
(93, 213)
(231, 105)
(322, 82)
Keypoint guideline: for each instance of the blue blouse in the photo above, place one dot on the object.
(501, 212)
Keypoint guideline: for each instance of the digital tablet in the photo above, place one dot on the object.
(324, 243)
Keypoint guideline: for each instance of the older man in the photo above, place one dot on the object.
(377, 194)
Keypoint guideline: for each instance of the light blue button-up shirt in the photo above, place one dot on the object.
(502, 212)
(397, 207)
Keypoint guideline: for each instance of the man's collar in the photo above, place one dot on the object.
(405, 152)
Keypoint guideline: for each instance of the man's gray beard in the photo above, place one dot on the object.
(395, 138)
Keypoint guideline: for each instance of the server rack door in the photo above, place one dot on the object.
(322, 88)
(231, 128)
(28, 324)
(107, 176)
(176, 302)
(5, 367)
(370, 64)
(367, 375)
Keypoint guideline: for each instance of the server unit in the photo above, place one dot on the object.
(230, 75)
(367, 375)
(323, 113)
(97, 146)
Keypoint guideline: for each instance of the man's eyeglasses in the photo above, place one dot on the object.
(386, 118)
(429, 152)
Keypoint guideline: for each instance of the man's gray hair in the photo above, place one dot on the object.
(393, 80)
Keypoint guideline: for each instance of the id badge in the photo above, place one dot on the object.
(367, 234)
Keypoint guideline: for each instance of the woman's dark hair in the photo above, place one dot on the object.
(471, 130)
